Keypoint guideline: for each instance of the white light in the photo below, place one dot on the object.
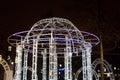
(59, 73)
(98, 70)
(60, 65)
(114, 68)
(104, 69)
(12, 62)
(108, 75)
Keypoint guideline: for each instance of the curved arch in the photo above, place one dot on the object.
(7, 69)
(5, 65)
(79, 71)
(94, 65)
(107, 66)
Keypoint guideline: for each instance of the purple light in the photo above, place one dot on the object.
(94, 43)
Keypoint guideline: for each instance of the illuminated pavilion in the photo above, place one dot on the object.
(52, 38)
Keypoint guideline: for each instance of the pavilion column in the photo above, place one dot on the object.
(68, 60)
(18, 62)
(53, 71)
(34, 59)
(44, 68)
(84, 64)
(25, 64)
(86, 61)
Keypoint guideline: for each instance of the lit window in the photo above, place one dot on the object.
(8, 58)
(9, 48)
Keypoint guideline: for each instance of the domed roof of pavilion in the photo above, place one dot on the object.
(58, 26)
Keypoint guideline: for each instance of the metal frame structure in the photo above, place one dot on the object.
(44, 67)
(106, 65)
(68, 60)
(18, 68)
(95, 74)
(79, 71)
(8, 71)
(86, 61)
(52, 37)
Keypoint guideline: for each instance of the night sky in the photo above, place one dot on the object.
(94, 16)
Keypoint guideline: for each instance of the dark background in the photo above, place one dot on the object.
(94, 16)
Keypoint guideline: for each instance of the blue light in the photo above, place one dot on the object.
(61, 69)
